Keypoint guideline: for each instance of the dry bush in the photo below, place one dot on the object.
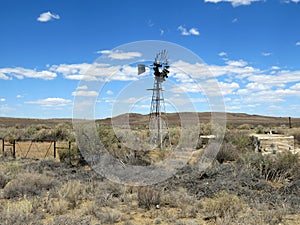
(57, 206)
(277, 167)
(108, 215)
(261, 214)
(71, 219)
(227, 152)
(73, 192)
(28, 184)
(224, 206)
(180, 199)
(17, 213)
(3, 180)
(148, 197)
(12, 169)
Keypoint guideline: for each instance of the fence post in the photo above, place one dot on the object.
(3, 148)
(54, 150)
(14, 149)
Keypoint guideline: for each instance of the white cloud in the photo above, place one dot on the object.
(162, 32)
(280, 78)
(240, 63)
(296, 87)
(2, 99)
(51, 102)
(21, 73)
(19, 96)
(275, 68)
(5, 110)
(83, 87)
(194, 31)
(191, 31)
(236, 3)
(97, 72)
(298, 43)
(228, 88)
(109, 92)
(85, 93)
(266, 53)
(120, 55)
(222, 54)
(257, 86)
(234, 20)
(288, 1)
(47, 16)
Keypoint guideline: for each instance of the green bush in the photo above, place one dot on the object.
(71, 156)
(241, 140)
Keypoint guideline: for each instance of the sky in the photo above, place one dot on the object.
(47, 47)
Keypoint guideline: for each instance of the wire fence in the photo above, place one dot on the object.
(33, 149)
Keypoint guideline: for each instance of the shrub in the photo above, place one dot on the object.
(274, 167)
(17, 213)
(62, 133)
(241, 140)
(57, 206)
(3, 180)
(72, 192)
(148, 197)
(27, 184)
(71, 219)
(108, 216)
(71, 156)
(227, 152)
(224, 205)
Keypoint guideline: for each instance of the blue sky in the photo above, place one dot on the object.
(251, 46)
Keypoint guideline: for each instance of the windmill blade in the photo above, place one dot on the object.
(141, 69)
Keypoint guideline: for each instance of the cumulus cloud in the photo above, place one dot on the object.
(47, 16)
(119, 54)
(51, 102)
(2, 99)
(185, 32)
(96, 72)
(85, 93)
(298, 43)
(236, 3)
(21, 73)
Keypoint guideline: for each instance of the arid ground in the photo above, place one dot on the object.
(240, 187)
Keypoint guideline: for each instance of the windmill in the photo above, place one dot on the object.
(159, 135)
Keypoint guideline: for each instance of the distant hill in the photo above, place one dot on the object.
(204, 117)
(173, 120)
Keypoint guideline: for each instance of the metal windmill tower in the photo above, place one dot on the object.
(159, 135)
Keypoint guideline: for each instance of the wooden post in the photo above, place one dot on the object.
(69, 147)
(3, 148)
(14, 149)
(54, 150)
(290, 122)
